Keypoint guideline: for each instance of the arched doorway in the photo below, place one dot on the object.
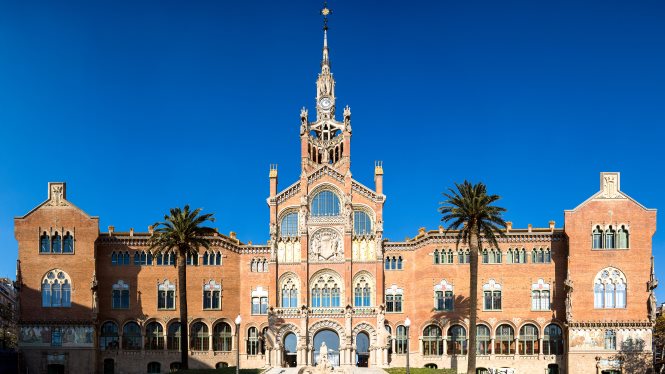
(332, 343)
(362, 349)
(290, 353)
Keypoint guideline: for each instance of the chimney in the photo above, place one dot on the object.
(273, 180)
(378, 177)
(131, 231)
(551, 225)
(530, 227)
(509, 226)
(111, 229)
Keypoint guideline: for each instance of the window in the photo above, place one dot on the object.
(505, 340)
(609, 238)
(154, 367)
(125, 258)
(387, 264)
(610, 339)
(463, 257)
(193, 259)
(56, 337)
(399, 263)
(142, 258)
(289, 226)
(493, 256)
(212, 295)
(56, 290)
(44, 243)
(114, 259)
(457, 343)
(252, 341)
(446, 257)
(259, 305)
(222, 337)
(597, 237)
(120, 295)
(166, 258)
(553, 340)
(56, 243)
(290, 292)
(166, 295)
(432, 341)
(173, 337)
(212, 258)
(259, 265)
(68, 243)
(400, 340)
(528, 344)
(362, 292)
(324, 204)
(362, 224)
(435, 254)
(623, 237)
(443, 296)
(326, 291)
(540, 295)
(609, 289)
(492, 295)
(483, 340)
(109, 338)
(154, 336)
(200, 339)
(131, 336)
(516, 256)
(394, 299)
(541, 256)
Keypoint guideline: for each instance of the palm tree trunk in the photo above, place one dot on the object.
(473, 299)
(182, 299)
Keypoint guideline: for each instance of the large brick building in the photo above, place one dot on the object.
(577, 299)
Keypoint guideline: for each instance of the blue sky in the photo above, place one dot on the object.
(141, 106)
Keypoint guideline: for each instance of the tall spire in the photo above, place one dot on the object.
(325, 84)
(325, 12)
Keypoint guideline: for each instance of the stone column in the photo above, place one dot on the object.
(540, 348)
(492, 346)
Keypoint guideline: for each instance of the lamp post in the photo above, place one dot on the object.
(407, 323)
(238, 320)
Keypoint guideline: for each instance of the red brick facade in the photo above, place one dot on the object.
(327, 268)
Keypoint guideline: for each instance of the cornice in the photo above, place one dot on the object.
(451, 238)
(605, 324)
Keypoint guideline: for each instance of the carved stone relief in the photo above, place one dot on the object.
(326, 245)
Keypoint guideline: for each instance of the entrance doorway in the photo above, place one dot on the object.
(55, 369)
(109, 366)
(552, 369)
(332, 343)
(362, 349)
(290, 353)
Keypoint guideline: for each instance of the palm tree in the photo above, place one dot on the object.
(182, 233)
(469, 210)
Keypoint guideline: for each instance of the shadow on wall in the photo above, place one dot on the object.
(633, 357)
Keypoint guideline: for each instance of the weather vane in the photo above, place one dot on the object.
(325, 12)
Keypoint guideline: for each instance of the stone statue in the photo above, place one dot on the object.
(568, 284)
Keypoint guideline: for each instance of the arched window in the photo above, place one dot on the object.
(400, 340)
(120, 295)
(540, 295)
(252, 341)
(485, 256)
(166, 295)
(399, 263)
(463, 256)
(505, 340)
(326, 291)
(131, 336)
(325, 204)
(109, 338)
(166, 258)
(432, 341)
(362, 224)
(483, 340)
(125, 258)
(623, 237)
(154, 367)
(553, 340)
(44, 243)
(610, 238)
(610, 339)
(548, 255)
(56, 242)
(610, 289)
(68, 243)
(443, 296)
(447, 256)
(173, 337)
(509, 256)
(200, 337)
(457, 343)
(290, 292)
(154, 336)
(56, 289)
(387, 264)
(289, 225)
(528, 344)
(222, 337)
(597, 235)
(492, 295)
(362, 291)
(212, 295)
(193, 259)
(436, 256)
(114, 259)
(137, 258)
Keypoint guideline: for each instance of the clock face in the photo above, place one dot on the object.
(325, 103)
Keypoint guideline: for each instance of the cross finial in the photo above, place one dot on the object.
(325, 11)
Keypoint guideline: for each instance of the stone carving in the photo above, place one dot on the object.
(568, 285)
(303, 120)
(610, 186)
(651, 303)
(326, 246)
(95, 299)
(57, 195)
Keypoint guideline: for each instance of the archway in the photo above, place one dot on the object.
(290, 353)
(332, 343)
(362, 349)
